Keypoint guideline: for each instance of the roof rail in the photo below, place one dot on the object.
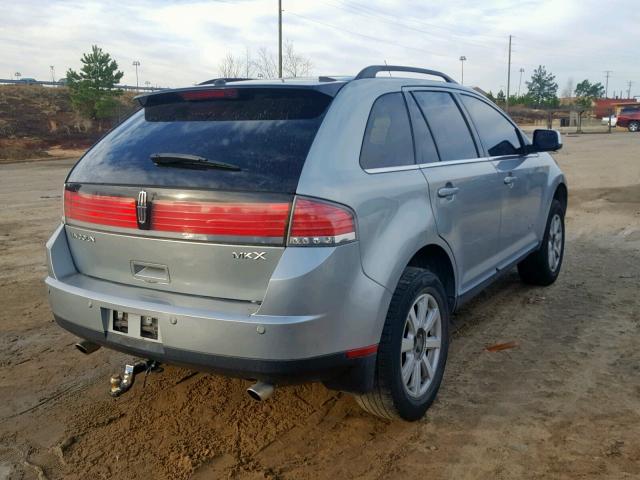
(372, 70)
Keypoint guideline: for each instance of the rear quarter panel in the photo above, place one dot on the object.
(394, 216)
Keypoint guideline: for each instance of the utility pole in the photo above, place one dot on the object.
(279, 38)
(629, 83)
(136, 64)
(520, 81)
(607, 74)
(462, 60)
(508, 77)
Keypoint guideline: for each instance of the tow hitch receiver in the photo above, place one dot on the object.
(122, 383)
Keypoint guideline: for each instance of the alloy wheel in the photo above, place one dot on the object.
(554, 247)
(421, 344)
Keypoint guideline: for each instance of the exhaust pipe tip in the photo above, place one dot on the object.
(261, 391)
(87, 347)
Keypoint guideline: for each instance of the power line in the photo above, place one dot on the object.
(388, 19)
(365, 9)
(369, 37)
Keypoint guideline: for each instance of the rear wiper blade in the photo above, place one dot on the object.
(183, 160)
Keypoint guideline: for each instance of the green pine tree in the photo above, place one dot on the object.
(92, 89)
(542, 89)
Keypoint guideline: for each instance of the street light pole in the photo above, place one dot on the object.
(279, 38)
(520, 81)
(462, 60)
(508, 77)
(136, 64)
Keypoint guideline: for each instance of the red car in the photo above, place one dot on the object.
(629, 118)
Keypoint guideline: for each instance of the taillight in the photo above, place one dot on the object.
(319, 223)
(100, 209)
(256, 220)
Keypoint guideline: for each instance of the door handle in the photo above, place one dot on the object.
(509, 179)
(446, 192)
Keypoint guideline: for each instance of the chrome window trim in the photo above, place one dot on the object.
(447, 162)
(429, 165)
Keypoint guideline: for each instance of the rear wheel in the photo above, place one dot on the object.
(634, 126)
(542, 267)
(413, 349)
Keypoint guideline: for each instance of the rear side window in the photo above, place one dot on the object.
(498, 135)
(447, 125)
(387, 138)
(265, 132)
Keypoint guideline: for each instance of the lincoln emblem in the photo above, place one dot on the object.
(143, 210)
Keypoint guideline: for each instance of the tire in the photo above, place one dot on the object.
(634, 126)
(392, 397)
(542, 267)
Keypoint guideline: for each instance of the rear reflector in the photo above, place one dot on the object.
(224, 219)
(362, 352)
(100, 209)
(318, 223)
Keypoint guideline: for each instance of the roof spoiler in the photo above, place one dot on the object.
(372, 70)
(222, 81)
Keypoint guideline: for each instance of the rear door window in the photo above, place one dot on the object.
(387, 138)
(266, 132)
(498, 134)
(448, 126)
(426, 151)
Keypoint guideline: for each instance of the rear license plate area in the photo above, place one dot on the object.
(133, 325)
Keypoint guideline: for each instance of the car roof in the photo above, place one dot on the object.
(329, 84)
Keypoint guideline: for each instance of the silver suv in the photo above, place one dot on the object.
(304, 230)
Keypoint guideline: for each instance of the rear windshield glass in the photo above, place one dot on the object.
(265, 133)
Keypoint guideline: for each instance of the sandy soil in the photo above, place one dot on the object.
(565, 403)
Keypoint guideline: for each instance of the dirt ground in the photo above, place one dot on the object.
(565, 403)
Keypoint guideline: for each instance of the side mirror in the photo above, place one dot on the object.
(546, 141)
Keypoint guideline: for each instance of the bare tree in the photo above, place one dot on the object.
(265, 65)
(230, 67)
(248, 63)
(295, 64)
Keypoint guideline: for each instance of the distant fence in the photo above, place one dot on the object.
(587, 125)
(63, 84)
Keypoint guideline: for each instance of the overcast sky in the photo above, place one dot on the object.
(182, 42)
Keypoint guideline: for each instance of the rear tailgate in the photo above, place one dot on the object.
(193, 229)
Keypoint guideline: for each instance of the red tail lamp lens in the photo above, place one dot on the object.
(100, 209)
(316, 223)
(226, 219)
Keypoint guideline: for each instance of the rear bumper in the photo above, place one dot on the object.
(336, 371)
(298, 333)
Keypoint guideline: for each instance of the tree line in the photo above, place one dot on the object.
(542, 92)
(94, 93)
